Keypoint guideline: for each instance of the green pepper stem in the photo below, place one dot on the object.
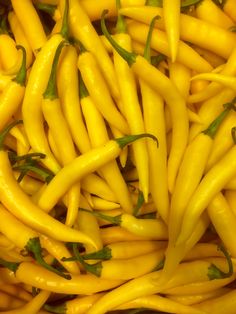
(6, 130)
(103, 254)
(21, 75)
(120, 24)
(83, 92)
(15, 158)
(156, 60)
(215, 273)
(51, 89)
(146, 53)
(45, 174)
(48, 8)
(57, 309)
(129, 57)
(214, 126)
(10, 265)
(126, 140)
(95, 269)
(34, 247)
(65, 23)
(139, 203)
(3, 26)
(116, 220)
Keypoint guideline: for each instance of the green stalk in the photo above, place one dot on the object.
(214, 126)
(147, 48)
(139, 204)
(95, 269)
(45, 174)
(51, 89)
(13, 157)
(6, 130)
(116, 220)
(48, 8)
(129, 57)
(57, 309)
(128, 139)
(215, 273)
(120, 24)
(103, 254)
(83, 92)
(21, 75)
(10, 265)
(34, 247)
(65, 21)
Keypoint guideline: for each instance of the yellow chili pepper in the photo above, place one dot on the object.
(146, 285)
(231, 185)
(89, 225)
(98, 203)
(80, 167)
(171, 15)
(124, 268)
(208, 11)
(17, 291)
(78, 305)
(229, 8)
(211, 184)
(159, 82)
(99, 91)
(154, 122)
(33, 306)
(220, 304)
(131, 103)
(94, 10)
(13, 94)
(9, 302)
(51, 108)
(200, 287)
(4, 80)
(175, 254)
(98, 186)
(209, 110)
(127, 249)
(193, 30)
(20, 37)
(191, 171)
(58, 250)
(214, 87)
(230, 198)
(227, 81)
(210, 57)
(222, 141)
(29, 240)
(83, 30)
(116, 234)
(30, 22)
(98, 137)
(8, 52)
(223, 220)
(20, 205)
(159, 303)
(68, 90)
(150, 228)
(190, 299)
(186, 55)
(78, 284)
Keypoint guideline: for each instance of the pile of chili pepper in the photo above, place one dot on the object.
(117, 156)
